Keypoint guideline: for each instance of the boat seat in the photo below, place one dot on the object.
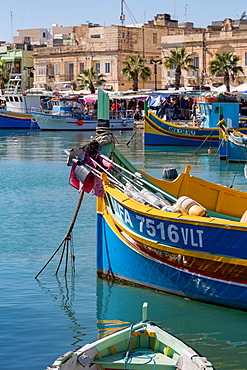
(116, 361)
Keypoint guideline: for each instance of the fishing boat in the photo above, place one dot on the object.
(149, 238)
(232, 145)
(202, 132)
(16, 113)
(66, 115)
(142, 344)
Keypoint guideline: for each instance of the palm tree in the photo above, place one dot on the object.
(89, 78)
(226, 64)
(134, 68)
(4, 75)
(179, 60)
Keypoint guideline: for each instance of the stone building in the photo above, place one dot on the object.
(60, 53)
(105, 49)
(224, 36)
(56, 35)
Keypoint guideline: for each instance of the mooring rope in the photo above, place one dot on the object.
(66, 242)
(200, 145)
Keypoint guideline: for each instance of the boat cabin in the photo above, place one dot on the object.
(19, 101)
(212, 112)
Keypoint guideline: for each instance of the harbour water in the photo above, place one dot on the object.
(43, 318)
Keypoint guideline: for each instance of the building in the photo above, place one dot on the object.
(224, 36)
(105, 49)
(19, 61)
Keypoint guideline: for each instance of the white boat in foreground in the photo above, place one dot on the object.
(143, 343)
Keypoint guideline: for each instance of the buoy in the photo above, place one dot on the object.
(170, 173)
(80, 122)
(244, 217)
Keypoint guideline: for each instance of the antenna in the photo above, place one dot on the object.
(242, 15)
(122, 16)
(185, 13)
(11, 25)
(174, 14)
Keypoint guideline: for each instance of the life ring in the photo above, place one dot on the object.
(80, 122)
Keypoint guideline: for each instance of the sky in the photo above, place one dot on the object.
(26, 14)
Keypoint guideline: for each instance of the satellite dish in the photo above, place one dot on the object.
(242, 15)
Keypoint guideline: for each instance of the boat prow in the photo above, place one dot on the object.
(143, 343)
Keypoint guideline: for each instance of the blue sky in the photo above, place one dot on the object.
(24, 14)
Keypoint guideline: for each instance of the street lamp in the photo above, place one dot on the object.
(155, 62)
(30, 71)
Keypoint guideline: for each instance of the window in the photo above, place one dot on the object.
(82, 67)
(155, 38)
(97, 67)
(95, 36)
(245, 59)
(56, 69)
(71, 71)
(41, 70)
(44, 34)
(196, 62)
(107, 68)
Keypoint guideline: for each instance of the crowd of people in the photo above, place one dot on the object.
(176, 108)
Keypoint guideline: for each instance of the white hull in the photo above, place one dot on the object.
(56, 122)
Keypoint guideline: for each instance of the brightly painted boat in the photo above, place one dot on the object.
(159, 133)
(219, 200)
(18, 106)
(142, 344)
(144, 240)
(15, 120)
(232, 145)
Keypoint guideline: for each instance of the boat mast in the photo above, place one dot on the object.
(122, 16)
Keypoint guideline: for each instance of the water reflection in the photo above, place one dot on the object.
(64, 296)
(215, 332)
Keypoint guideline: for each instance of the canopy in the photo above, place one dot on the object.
(155, 100)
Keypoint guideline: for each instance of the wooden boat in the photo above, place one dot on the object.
(217, 199)
(143, 343)
(159, 133)
(178, 247)
(232, 145)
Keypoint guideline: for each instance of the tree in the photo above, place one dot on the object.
(89, 78)
(226, 64)
(179, 60)
(134, 69)
(4, 75)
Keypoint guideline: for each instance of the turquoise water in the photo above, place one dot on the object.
(44, 318)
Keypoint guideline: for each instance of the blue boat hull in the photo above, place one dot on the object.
(158, 133)
(117, 260)
(14, 120)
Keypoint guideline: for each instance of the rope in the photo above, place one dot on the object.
(132, 136)
(201, 144)
(132, 354)
(66, 242)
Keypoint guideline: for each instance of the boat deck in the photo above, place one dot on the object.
(142, 356)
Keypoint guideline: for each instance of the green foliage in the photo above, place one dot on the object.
(4, 74)
(179, 60)
(134, 69)
(226, 64)
(89, 78)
